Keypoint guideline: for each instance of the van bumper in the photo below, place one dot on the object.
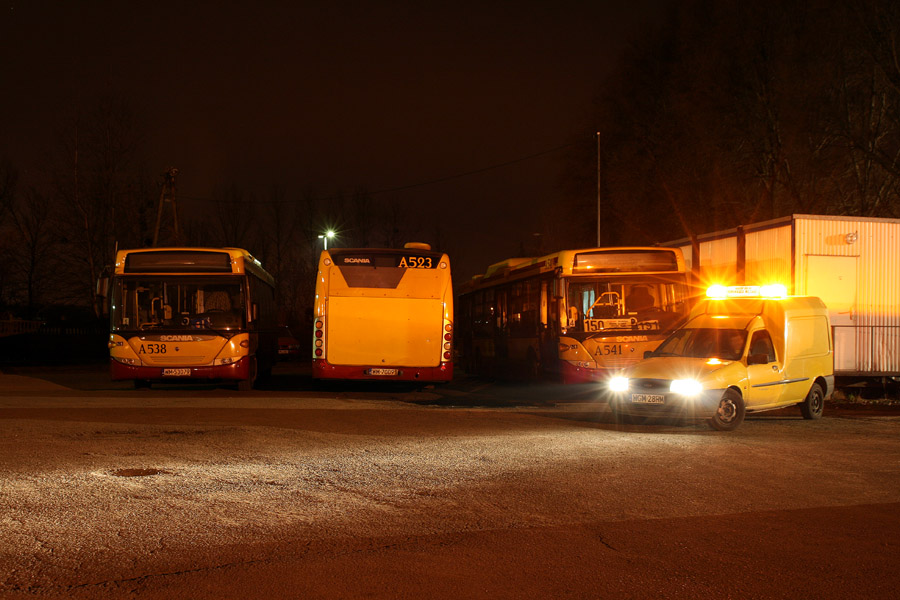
(701, 406)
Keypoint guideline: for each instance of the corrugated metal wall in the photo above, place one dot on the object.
(717, 261)
(876, 245)
(768, 256)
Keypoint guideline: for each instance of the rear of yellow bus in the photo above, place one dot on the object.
(383, 314)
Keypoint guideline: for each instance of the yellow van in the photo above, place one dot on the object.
(742, 349)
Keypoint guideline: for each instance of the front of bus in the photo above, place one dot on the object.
(178, 314)
(617, 304)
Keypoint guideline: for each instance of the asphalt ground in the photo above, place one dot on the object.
(476, 489)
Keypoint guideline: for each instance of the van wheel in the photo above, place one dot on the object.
(730, 412)
(814, 403)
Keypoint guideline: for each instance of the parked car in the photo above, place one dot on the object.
(288, 345)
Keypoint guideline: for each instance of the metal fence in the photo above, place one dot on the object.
(867, 350)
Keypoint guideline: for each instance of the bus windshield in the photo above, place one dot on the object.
(642, 304)
(727, 344)
(178, 303)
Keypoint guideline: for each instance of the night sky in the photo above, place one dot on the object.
(332, 96)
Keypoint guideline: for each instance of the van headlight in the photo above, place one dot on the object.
(618, 384)
(686, 387)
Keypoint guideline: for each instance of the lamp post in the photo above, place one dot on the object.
(327, 236)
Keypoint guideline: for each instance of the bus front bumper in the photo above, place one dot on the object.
(239, 370)
(322, 369)
(572, 373)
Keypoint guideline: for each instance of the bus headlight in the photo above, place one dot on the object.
(686, 387)
(618, 384)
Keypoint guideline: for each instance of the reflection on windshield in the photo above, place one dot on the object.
(727, 344)
(633, 305)
(183, 304)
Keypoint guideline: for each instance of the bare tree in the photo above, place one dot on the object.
(8, 181)
(34, 251)
(92, 176)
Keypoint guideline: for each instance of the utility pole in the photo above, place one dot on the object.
(599, 195)
(167, 196)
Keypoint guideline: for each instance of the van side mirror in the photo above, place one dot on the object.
(648, 354)
(758, 359)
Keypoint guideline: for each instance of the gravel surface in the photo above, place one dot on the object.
(99, 492)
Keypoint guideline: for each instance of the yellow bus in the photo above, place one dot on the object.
(383, 314)
(578, 315)
(180, 314)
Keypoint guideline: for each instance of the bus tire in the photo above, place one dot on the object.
(814, 403)
(532, 366)
(730, 412)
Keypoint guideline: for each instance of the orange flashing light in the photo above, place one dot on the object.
(774, 290)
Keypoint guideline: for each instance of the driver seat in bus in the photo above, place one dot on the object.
(218, 301)
(639, 299)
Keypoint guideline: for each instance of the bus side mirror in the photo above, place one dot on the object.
(101, 297)
(758, 359)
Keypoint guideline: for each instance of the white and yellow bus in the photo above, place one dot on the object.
(383, 314)
(578, 315)
(180, 314)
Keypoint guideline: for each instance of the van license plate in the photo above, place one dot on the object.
(648, 399)
(176, 372)
(381, 372)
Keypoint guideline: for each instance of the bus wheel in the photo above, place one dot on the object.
(532, 366)
(730, 412)
(140, 384)
(814, 403)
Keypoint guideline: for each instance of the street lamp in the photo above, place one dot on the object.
(328, 235)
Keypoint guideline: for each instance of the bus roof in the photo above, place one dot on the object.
(583, 261)
(181, 260)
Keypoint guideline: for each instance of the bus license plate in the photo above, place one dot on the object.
(381, 372)
(176, 372)
(648, 399)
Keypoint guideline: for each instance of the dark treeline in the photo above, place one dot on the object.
(731, 112)
(737, 112)
(95, 195)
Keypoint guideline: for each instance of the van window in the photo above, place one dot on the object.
(761, 343)
(727, 344)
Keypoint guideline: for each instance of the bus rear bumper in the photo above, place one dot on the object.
(239, 370)
(322, 369)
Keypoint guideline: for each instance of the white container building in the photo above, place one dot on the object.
(851, 263)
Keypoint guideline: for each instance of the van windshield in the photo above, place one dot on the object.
(727, 344)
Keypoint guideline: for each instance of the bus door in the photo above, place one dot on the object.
(549, 322)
